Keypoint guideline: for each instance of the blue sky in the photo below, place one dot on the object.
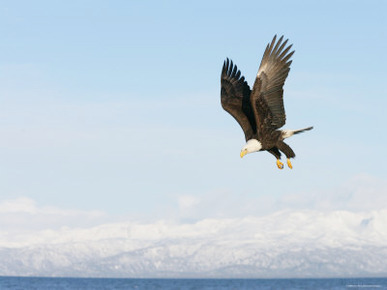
(115, 106)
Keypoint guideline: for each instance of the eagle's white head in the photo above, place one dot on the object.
(252, 145)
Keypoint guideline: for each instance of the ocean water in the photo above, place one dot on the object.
(21, 283)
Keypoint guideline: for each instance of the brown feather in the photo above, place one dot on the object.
(235, 98)
(269, 83)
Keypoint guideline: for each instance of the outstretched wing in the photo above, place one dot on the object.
(235, 98)
(267, 95)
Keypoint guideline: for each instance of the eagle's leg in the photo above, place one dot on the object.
(280, 165)
(285, 148)
(277, 154)
(290, 164)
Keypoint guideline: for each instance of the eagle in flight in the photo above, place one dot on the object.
(260, 112)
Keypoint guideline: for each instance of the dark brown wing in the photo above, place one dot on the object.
(267, 94)
(235, 98)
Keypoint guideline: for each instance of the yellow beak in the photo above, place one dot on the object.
(243, 153)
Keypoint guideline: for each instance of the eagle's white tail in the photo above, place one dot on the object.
(289, 133)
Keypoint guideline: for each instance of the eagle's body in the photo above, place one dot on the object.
(260, 111)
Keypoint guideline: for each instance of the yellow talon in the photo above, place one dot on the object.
(290, 164)
(280, 165)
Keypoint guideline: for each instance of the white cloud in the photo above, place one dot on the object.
(19, 205)
(23, 214)
(362, 192)
(187, 201)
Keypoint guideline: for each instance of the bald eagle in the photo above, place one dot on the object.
(260, 112)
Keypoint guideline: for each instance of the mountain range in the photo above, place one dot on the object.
(284, 244)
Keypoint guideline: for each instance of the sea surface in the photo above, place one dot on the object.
(22, 283)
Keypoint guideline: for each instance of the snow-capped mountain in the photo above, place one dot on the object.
(284, 244)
